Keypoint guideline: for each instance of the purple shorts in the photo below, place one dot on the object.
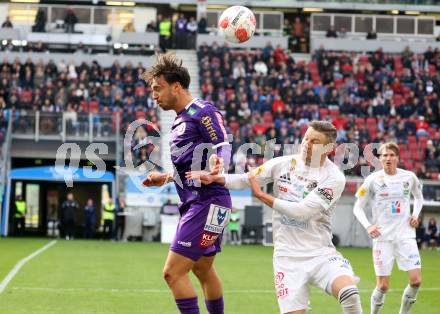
(200, 229)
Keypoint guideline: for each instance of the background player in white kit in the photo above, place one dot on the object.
(393, 227)
(306, 188)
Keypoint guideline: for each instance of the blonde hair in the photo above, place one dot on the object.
(390, 146)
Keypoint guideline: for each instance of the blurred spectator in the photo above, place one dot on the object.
(68, 214)
(234, 227)
(129, 28)
(202, 25)
(108, 218)
(371, 34)
(432, 233)
(420, 234)
(7, 23)
(342, 33)
(165, 34)
(331, 33)
(180, 32)
(89, 219)
(191, 28)
(151, 27)
(19, 218)
(40, 22)
(70, 20)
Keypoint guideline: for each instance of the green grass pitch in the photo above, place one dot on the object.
(109, 277)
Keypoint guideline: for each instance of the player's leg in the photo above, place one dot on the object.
(383, 260)
(175, 273)
(408, 259)
(211, 284)
(344, 289)
(377, 299)
(291, 283)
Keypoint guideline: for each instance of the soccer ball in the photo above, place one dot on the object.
(237, 24)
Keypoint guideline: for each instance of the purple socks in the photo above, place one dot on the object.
(188, 306)
(215, 306)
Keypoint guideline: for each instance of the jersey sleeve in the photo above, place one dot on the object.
(263, 174)
(417, 192)
(364, 192)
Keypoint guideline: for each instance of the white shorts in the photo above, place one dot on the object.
(405, 251)
(294, 275)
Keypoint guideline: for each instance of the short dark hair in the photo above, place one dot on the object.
(390, 146)
(170, 66)
(326, 128)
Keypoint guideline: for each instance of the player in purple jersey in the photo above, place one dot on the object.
(204, 209)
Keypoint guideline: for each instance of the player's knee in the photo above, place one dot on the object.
(169, 276)
(415, 282)
(383, 287)
(350, 300)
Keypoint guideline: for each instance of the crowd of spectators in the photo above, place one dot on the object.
(428, 236)
(264, 94)
(77, 90)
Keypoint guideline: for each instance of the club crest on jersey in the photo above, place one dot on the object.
(218, 218)
(312, 185)
(406, 188)
(326, 194)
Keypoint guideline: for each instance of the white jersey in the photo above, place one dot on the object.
(294, 181)
(389, 197)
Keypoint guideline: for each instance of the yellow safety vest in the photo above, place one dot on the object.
(108, 212)
(165, 28)
(21, 209)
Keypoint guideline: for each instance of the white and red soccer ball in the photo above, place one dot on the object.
(237, 24)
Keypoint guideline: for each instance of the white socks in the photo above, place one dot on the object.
(408, 299)
(350, 300)
(377, 300)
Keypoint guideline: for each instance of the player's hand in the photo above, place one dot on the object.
(203, 177)
(155, 178)
(256, 189)
(215, 164)
(414, 221)
(373, 231)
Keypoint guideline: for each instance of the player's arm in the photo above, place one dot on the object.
(155, 178)
(320, 199)
(362, 197)
(263, 175)
(417, 192)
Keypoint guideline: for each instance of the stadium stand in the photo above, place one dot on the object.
(369, 97)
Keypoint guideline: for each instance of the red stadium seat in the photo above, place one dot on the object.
(359, 121)
(431, 132)
(323, 112)
(435, 176)
(141, 115)
(398, 100)
(371, 121)
(234, 126)
(412, 139)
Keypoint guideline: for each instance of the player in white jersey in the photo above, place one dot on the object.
(389, 193)
(306, 189)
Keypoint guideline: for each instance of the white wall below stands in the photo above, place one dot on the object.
(143, 16)
(254, 42)
(3, 12)
(361, 45)
(103, 59)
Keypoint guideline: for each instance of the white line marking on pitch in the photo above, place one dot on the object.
(262, 291)
(21, 263)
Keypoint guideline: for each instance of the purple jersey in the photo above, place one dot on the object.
(199, 125)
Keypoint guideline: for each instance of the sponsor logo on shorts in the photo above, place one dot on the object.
(326, 194)
(218, 218)
(413, 256)
(282, 291)
(185, 244)
(208, 239)
(344, 263)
